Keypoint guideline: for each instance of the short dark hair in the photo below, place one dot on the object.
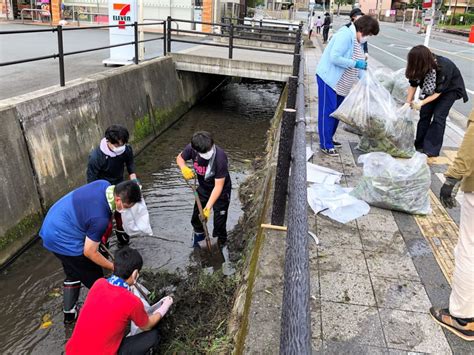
(319, 16)
(129, 191)
(355, 12)
(202, 141)
(367, 25)
(117, 134)
(127, 260)
(420, 61)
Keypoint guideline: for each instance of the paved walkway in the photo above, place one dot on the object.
(373, 280)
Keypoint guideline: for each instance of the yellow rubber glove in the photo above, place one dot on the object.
(206, 212)
(188, 174)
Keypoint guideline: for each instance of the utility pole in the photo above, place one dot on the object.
(430, 25)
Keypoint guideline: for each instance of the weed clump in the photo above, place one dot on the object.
(197, 322)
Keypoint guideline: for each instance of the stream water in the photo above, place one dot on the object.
(238, 115)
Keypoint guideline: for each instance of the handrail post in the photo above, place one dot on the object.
(283, 166)
(62, 80)
(296, 64)
(231, 40)
(292, 88)
(168, 35)
(135, 35)
(165, 44)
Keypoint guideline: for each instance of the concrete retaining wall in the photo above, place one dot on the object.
(60, 126)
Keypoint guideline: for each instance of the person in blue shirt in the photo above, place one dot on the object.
(72, 231)
(339, 68)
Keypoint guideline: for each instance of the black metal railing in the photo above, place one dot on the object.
(295, 335)
(59, 30)
(278, 36)
(231, 31)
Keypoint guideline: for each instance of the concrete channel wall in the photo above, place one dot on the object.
(47, 135)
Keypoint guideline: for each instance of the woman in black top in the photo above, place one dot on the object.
(441, 84)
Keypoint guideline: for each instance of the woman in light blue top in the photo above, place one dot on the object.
(339, 68)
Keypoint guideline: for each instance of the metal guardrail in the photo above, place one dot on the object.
(230, 32)
(167, 40)
(295, 335)
(36, 11)
(61, 53)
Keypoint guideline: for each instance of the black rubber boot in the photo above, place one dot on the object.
(70, 297)
(122, 238)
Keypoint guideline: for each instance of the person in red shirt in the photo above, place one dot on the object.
(108, 310)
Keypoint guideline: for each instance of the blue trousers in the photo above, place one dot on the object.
(328, 102)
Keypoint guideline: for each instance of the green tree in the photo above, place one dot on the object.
(342, 2)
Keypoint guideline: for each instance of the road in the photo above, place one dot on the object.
(391, 46)
(27, 77)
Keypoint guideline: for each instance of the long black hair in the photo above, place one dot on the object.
(420, 62)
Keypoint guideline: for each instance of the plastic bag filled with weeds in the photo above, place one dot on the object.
(398, 141)
(368, 106)
(395, 184)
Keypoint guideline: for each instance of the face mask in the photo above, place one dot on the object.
(363, 39)
(207, 155)
(119, 150)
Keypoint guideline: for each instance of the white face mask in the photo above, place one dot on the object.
(207, 155)
(119, 150)
(363, 39)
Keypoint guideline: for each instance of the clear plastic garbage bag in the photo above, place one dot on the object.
(136, 220)
(395, 184)
(400, 86)
(385, 78)
(397, 141)
(149, 309)
(336, 203)
(368, 106)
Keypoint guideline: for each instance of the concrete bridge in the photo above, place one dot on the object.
(246, 63)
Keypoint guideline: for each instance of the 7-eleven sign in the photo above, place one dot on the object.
(427, 4)
(122, 17)
(121, 13)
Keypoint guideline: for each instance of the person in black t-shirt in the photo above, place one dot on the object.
(210, 165)
(326, 27)
(107, 162)
(441, 84)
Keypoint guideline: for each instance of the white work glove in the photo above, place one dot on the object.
(165, 306)
(417, 104)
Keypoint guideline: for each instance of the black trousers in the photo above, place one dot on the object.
(139, 344)
(325, 34)
(220, 209)
(318, 29)
(80, 268)
(432, 123)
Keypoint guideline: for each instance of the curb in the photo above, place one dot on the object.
(441, 38)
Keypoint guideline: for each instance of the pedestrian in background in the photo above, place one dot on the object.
(326, 26)
(310, 25)
(441, 84)
(318, 25)
(339, 68)
(459, 317)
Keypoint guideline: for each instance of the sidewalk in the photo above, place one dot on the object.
(374, 280)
